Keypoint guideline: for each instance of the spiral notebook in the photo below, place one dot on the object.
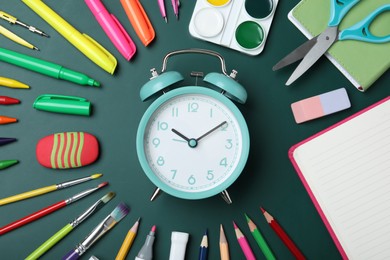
(346, 172)
(362, 63)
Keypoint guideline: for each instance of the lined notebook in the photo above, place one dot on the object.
(362, 63)
(346, 171)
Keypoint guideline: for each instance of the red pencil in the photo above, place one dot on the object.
(283, 235)
(4, 100)
(46, 211)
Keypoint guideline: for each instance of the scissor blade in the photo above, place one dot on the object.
(324, 41)
(296, 54)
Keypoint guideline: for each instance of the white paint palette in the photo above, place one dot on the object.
(242, 25)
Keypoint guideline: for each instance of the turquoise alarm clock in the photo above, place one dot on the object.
(193, 142)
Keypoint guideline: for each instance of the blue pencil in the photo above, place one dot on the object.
(203, 249)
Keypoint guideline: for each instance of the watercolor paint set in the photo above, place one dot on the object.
(242, 25)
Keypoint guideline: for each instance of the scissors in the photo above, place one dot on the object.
(313, 49)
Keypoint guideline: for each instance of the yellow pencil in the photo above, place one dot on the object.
(47, 189)
(223, 245)
(11, 83)
(127, 242)
(13, 37)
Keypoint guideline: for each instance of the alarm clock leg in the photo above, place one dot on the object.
(155, 194)
(226, 197)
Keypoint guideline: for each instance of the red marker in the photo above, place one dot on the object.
(4, 100)
(7, 120)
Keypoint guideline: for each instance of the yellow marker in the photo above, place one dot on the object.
(13, 37)
(88, 46)
(47, 189)
(11, 83)
(127, 242)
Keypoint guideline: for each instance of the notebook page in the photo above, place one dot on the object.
(348, 171)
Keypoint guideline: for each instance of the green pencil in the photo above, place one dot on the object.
(260, 240)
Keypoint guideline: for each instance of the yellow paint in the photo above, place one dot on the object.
(218, 2)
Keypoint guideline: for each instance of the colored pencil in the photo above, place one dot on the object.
(204, 246)
(7, 163)
(223, 245)
(6, 140)
(260, 239)
(46, 211)
(47, 189)
(11, 83)
(7, 120)
(127, 243)
(283, 235)
(246, 249)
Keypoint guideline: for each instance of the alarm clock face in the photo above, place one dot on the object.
(193, 142)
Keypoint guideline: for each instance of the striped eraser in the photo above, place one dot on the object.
(321, 105)
(67, 150)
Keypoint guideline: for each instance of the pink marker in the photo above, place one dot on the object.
(112, 27)
(244, 243)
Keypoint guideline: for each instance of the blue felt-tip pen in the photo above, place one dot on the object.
(146, 252)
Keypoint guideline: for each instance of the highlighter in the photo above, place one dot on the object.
(88, 46)
(112, 27)
(139, 20)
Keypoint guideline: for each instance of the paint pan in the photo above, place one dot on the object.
(242, 25)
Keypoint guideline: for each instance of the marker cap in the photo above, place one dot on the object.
(178, 246)
(63, 104)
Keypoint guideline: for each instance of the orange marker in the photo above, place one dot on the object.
(7, 120)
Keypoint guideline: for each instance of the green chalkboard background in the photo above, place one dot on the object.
(268, 179)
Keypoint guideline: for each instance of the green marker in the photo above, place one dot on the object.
(7, 163)
(46, 68)
(260, 240)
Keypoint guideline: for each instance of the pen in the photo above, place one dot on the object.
(69, 227)
(223, 245)
(122, 253)
(7, 120)
(11, 83)
(283, 235)
(6, 140)
(146, 252)
(204, 247)
(7, 163)
(48, 210)
(84, 43)
(113, 28)
(13, 37)
(5, 100)
(46, 68)
(246, 249)
(13, 20)
(161, 5)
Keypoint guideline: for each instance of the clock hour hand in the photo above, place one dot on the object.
(180, 134)
(210, 131)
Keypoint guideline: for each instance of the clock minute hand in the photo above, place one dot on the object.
(210, 131)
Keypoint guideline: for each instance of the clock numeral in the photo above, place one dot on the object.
(160, 161)
(191, 180)
(210, 175)
(162, 126)
(229, 144)
(193, 107)
(156, 142)
(224, 126)
(175, 111)
(223, 162)
(173, 174)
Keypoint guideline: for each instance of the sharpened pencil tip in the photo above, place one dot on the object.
(262, 209)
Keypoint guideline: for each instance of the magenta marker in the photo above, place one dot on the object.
(321, 105)
(146, 252)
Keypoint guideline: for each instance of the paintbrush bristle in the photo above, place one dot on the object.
(101, 185)
(106, 198)
(120, 212)
(97, 175)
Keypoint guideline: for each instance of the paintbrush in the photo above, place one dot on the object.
(46, 211)
(47, 189)
(107, 224)
(70, 226)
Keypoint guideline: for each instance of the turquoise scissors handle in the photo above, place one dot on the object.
(361, 31)
(338, 9)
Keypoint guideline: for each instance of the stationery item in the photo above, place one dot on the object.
(6, 140)
(161, 5)
(7, 120)
(11, 83)
(13, 20)
(46, 68)
(5, 100)
(13, 37)
(146, 252)
(283, 235)
(47, 189)
(320, 105)
(63, 104)
(344, 169)
(139, 20)
(204, 246)
(260, 239)
(106, 225)
(67, 150)
(246, 249)
(223, 245)
(84, 43)
(48, 210)
(48, 244)
(175, 5)
(178, 245)
(240, 25)
(360, 61)
(7, 163)
(127, 243)
(113, 28)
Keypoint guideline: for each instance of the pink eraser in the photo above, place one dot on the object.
(321, 105)
(67, 150)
